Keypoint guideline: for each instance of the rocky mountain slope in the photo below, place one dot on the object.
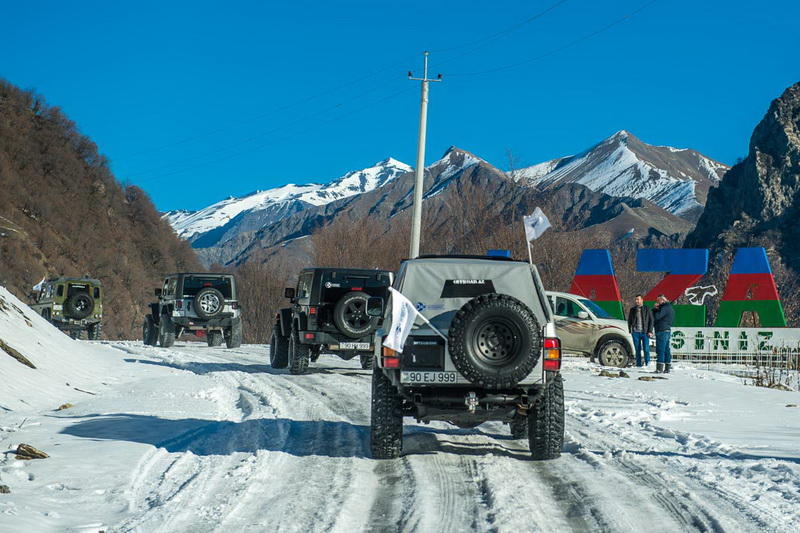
(758, 203)
(677, 180)
(465, 195)
(63, 213)
(232, 217)
(674, 180)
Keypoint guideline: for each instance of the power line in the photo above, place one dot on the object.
(260, 116)
(505, 31)
(277, 140)
(561, 48)
(253, 138)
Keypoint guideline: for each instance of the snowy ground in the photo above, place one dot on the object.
(207, 439)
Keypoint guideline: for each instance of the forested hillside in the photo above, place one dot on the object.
(62, 212)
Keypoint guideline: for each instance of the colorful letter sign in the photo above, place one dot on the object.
(750, 288)
(684, 266)
(594, 279)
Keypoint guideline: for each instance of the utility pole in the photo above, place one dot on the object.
(416, 218)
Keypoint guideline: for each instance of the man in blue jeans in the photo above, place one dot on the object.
(640, 324)
(664, 316)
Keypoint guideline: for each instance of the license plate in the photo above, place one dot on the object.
(428, 377)
(354, 346)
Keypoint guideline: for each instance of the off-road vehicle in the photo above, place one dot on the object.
(586, 329)
(196, 303)
(73, 305)
(328, 313)
(482, 347)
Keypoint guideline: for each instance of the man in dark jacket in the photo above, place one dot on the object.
(664, 316)
(640, 324)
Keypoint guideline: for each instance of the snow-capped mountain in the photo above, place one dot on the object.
(264, 207)
(675, 179)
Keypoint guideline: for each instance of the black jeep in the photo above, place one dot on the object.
(329, 313)
(199, 303)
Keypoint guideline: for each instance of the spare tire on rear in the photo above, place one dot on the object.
(350, 315)
(495, 341)
(208, 303)
(79, 306)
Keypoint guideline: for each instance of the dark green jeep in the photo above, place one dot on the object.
(73, 305)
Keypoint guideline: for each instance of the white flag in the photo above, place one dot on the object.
(403, 315)
(38, 286)
(535, 224)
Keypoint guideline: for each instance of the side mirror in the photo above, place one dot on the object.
(583, 315)
(375, 306)
(289, 293)
(158, 292)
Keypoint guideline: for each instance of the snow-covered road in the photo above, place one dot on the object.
(206, 439)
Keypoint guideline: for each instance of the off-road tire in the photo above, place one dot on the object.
(166, 332)
(208, 303)
(278, 350)
(299, 354)
(366, 360)
(75, 334)
(79, 306)
(314, 352)
(350, 315)
(495, 341)
(519, 426)
(94, 332)
(214, 338)
(546, 422)
(613, 352)
(233, 335)
(149, 331)
(386, 420)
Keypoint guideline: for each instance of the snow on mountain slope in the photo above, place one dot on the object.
(677, 180)
(65, 369)
(191, 225)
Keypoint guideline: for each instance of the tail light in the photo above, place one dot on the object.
(309, 336)
(179, 304)
(312, 310)
(357, 288)
(552, 354)
(391, 359)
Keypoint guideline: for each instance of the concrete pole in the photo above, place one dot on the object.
(416, 217)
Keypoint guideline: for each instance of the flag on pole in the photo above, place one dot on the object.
(404, 312)
(38, 286)
(535, 224)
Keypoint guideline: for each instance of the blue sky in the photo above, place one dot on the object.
(195, 101)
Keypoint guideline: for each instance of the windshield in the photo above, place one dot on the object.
(193, 284)
(598, 311)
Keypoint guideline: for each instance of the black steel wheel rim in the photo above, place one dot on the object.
(496, 342)
(355, 314)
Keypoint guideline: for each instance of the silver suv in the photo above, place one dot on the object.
(586, 328)
(200, 303)
(482, 347)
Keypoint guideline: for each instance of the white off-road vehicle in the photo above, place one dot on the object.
(489, 352)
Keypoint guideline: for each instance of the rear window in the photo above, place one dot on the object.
(193, 284)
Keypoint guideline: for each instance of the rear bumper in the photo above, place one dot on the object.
(199, 323)
(335, 342)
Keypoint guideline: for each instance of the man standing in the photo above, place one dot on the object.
(664, 316)
(640, 324)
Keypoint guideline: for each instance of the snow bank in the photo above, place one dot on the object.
(62, 365)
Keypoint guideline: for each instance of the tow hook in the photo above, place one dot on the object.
(471, 401)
